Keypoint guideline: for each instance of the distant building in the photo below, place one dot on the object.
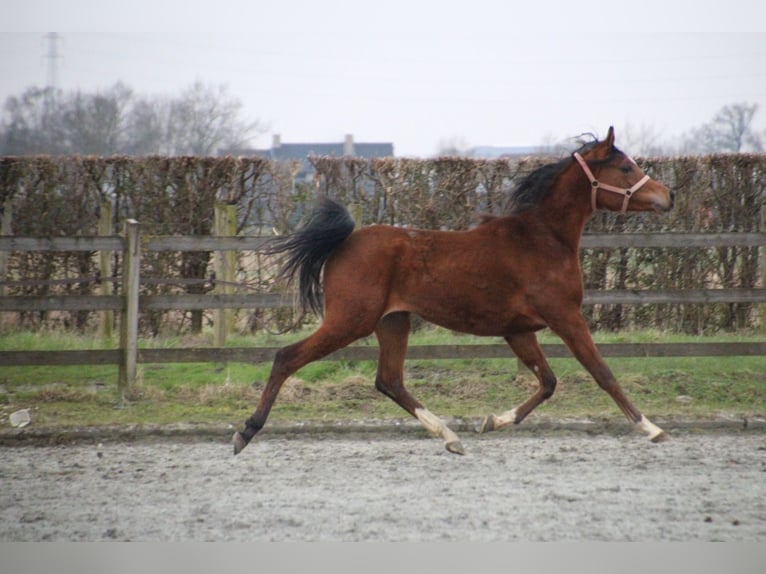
(301, 151)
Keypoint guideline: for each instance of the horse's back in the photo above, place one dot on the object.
(462, 280)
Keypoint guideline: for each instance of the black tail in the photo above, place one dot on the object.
(309, 248)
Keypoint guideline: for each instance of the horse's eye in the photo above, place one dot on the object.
(626, 168)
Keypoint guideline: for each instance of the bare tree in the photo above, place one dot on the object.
(146, 127)
(95, 123)
(729, 131)
(27, 125)
(643, 141)
(200, 121)
(204, 119)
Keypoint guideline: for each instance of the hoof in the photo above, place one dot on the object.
(662, 437)
(455, 447)
(239, 443)
(488, 424)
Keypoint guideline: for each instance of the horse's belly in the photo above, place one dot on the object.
(475, 321)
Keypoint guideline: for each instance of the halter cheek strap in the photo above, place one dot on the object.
(596, 185)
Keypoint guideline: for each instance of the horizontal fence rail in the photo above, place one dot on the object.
(130, 303)
(370, 353)
(276, 300)
(253, 243)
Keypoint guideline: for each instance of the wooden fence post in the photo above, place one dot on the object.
(5, 229)
(105, 228)
(129, 322)
(225, 225)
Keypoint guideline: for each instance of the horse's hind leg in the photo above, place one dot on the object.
(288, 360)
(526, 348)
(392, 332)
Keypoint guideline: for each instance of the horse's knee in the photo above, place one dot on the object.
(549, 382)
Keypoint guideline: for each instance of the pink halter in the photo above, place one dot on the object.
(596, 185)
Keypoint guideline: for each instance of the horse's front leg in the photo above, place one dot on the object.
(527, 349)
(575, 334)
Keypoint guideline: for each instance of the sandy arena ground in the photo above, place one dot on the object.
(392, 487)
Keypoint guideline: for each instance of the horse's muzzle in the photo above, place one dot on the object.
(663, 206)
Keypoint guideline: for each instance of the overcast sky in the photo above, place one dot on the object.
(414, 73)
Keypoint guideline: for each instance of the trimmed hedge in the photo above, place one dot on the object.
(62, 196)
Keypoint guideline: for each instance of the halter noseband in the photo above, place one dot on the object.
(596, 185)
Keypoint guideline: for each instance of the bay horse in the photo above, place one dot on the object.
(509, 276)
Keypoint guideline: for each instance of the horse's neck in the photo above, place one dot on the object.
(566, 209)
(565, 223)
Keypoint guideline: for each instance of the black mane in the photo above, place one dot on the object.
(536, 184)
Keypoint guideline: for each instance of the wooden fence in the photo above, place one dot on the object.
(129, 303)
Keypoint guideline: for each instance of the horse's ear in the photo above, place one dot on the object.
(604, 148)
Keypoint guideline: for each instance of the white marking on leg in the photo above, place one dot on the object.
(435, 425)
(649, 428)
(505, 419)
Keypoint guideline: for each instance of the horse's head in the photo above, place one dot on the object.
(617, 183)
